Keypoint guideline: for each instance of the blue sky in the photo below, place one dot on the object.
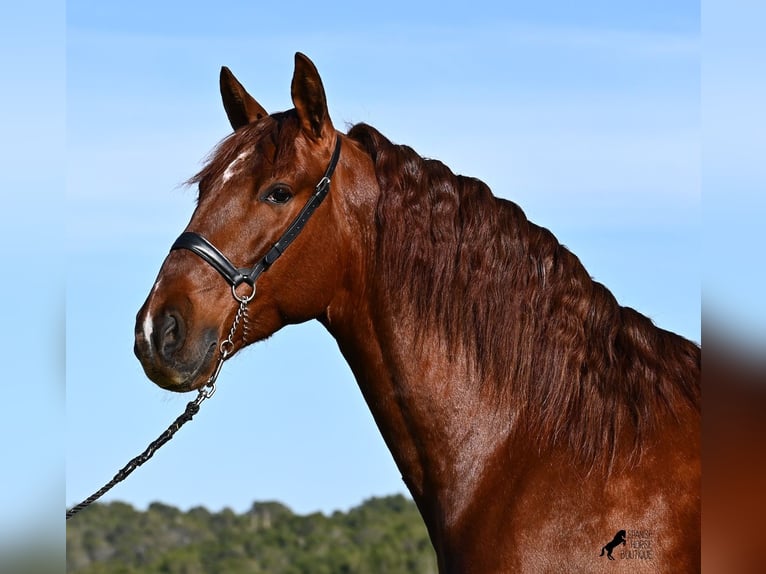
(32, 168)
(588, 118)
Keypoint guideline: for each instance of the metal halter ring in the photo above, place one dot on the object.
(225, 349)
(240, 298)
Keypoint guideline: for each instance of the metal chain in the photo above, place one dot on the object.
(205, 392)
(245, 326)
(227, 345)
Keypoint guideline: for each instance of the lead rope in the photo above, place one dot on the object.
(205, 392)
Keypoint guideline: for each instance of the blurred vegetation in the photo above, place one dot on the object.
(381, 536)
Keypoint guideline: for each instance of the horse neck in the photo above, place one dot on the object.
(457, 451)
(422, 397)
(437, 414)
(440, 433)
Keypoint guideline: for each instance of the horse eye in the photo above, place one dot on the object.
(279, 195)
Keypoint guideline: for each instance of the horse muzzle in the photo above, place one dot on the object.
(169, 355)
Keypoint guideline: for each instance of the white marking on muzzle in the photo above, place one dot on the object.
(148, 323)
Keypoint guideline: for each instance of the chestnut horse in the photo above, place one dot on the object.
(531, 416)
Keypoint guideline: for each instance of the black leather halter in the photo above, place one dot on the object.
(234, 275)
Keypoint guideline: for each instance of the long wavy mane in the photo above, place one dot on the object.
(572, 365)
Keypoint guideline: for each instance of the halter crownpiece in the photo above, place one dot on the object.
(234, 275)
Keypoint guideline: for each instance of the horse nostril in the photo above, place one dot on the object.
(170, 334)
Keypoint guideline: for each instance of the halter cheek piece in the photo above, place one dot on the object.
(234, 275)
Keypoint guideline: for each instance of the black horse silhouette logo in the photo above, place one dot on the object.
(618, 539)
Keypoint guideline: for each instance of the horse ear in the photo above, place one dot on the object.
(309, 98)
(241, 108)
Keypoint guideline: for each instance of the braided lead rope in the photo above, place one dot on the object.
(191, 409)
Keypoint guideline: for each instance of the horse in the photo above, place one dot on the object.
(530, 415)
(619, 538)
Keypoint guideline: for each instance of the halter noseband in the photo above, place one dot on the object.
(234, 275)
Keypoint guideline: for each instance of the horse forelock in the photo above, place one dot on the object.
(574, 367)
(268, 143)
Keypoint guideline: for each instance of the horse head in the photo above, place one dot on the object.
(259, 181)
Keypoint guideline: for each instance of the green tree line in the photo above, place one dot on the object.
(381, 536)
